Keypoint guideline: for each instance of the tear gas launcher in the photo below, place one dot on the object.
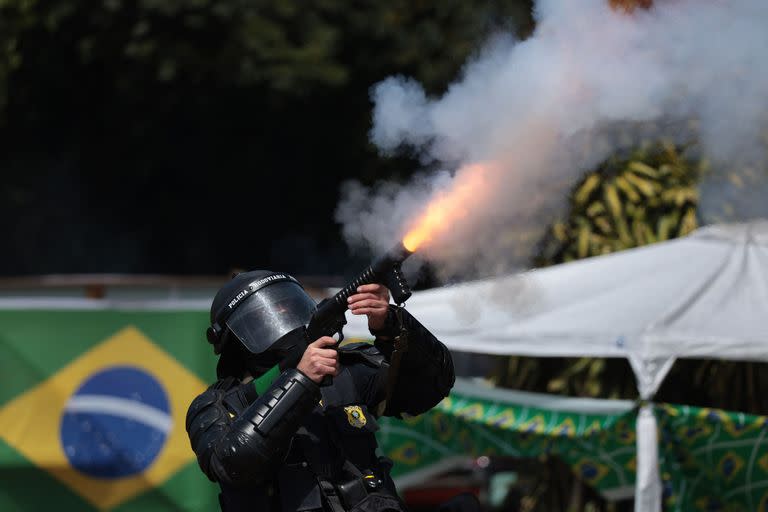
(329, 317)
(329, 320)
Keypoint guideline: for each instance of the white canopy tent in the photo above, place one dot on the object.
(705, 295)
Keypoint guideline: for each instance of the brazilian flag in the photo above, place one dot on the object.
(92, 409)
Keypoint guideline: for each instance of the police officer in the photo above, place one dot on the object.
(282, 438)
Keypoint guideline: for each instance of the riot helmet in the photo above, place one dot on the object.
(258, 310)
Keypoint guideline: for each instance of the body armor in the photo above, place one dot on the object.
(299, 447)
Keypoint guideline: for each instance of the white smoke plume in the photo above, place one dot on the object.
(539, 112)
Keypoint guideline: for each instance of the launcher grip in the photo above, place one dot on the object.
(397, 284)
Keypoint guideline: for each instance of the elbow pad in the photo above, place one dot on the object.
(426, 366)
(426, 355)
(260, 436)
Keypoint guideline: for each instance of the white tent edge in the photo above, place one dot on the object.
(738, 246)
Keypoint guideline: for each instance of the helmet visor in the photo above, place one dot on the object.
(269, 314)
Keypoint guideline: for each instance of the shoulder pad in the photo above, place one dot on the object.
(208, 399)
(211, 398)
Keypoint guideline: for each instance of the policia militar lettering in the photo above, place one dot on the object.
(286, 437)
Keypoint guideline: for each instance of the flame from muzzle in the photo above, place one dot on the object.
(449, 206)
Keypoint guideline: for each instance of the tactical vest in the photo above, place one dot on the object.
(331, 464)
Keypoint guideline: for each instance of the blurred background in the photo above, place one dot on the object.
(156, 137)
(148, 148)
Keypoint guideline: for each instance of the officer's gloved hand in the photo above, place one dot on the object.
(319, 361)
(371, 300)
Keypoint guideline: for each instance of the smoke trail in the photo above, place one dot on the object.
(539, 112)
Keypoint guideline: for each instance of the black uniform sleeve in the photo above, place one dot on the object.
(237, 449)
(426, 373)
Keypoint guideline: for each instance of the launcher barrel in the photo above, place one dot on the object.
(385, 270)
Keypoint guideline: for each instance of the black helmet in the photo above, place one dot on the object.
(257, 309)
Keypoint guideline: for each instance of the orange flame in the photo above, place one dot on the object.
(448, 206)
(630, 5)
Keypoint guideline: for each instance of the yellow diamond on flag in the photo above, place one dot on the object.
(110, 424)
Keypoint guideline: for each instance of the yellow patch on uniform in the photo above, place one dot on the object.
(32, 421)
(355, 416)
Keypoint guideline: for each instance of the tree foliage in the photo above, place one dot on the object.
(127, 126)
(288, 46)
(627, 202)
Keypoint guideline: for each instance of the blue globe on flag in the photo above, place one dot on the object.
(116, 423)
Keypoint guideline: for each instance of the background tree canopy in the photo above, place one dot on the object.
(190, 136)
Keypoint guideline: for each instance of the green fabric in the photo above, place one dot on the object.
(262, 383)
(710, 460)
(600, 448)
(713, 460)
